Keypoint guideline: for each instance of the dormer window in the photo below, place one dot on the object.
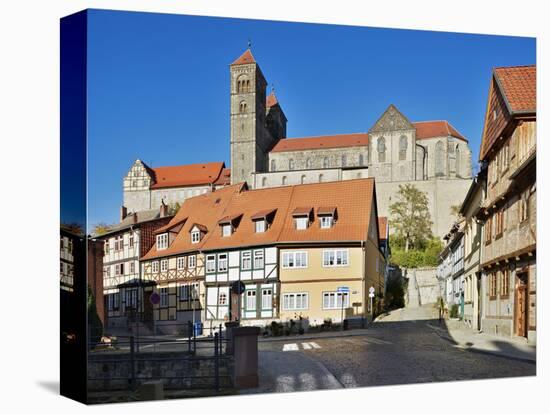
(195, 236)
(327, 217)
(162, 241)
(326, 222)
(226, 230)
(301, 223)
(263, 219)
(302, 217)
(260, 226)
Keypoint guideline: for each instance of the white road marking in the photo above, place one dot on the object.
(315, 345)
(290, 347)
(305, 345)
(377, 341)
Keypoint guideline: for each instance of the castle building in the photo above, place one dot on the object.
(432, 155)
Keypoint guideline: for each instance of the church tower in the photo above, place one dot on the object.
(251, 140)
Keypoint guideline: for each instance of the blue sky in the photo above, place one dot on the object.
(158, 85)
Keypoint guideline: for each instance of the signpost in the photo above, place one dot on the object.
(239, 288)
(342, 290)
(371, 295)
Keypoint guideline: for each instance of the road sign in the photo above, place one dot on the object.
(154, 298)
(371, 289)
(343, 289)
(371, 295)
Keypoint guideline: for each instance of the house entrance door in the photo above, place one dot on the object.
(520, 305)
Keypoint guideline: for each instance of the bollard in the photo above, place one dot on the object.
(189, 333)
(245, 351)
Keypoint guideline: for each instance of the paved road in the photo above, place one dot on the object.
(400, 349)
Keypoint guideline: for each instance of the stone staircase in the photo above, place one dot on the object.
(423, 287)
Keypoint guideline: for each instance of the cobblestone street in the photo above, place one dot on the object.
(401, 348)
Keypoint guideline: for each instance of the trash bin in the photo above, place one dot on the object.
(197, 328)
(346, 324)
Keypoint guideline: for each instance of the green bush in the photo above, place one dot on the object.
(426, 257)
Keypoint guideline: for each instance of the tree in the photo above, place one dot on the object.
(173, 208)
(73, 227)
(455, 211)
(101, 228)
(410, 216)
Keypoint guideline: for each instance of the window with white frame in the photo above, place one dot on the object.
(119, 269)
(131, 240)
(222, 298)
(326, 222)
(260, 226)
(163, 292)
(192, 261)
(195, 236)
(250, 300)
(132, 268)
(162, 241)
(226, 230)
(246, 260)
(267, 298)
(180, 263)
(333, 300)
(293, 260)
(301, 223)
(155, 266)
(258, 259)
(164, 265)
(336, 257)
(222, 262)
(108, 271)
(210, 263)
(113, 301)
(295, 301)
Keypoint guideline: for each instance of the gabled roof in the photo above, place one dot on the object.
(135, 219)
(206, 210)
(424, 130)
(224, 178)
(352, 198)
(519, 87)
(187, 175)
(320, 142)
(432, 129)
(245, 59)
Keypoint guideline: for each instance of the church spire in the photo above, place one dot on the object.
(246, 58)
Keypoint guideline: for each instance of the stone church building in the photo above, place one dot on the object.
(432, 155)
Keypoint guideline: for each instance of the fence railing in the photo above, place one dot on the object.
(189, 362)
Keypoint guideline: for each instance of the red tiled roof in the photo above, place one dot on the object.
(271, 100)
(302, 211)
(327, 141)
(382, 227)
(263, 213)
(352, 198)
(519, 86)
(424, 130)
(245, 58)
(432, 129)
(326, 211)
(229, 219)
(187, 175)
(224, 178)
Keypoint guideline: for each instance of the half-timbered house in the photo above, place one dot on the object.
(123, 285)
(508, 257)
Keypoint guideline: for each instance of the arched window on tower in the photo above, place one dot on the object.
(381, 148)
(439, 159)
(242, 107)
(325, 162)
(344, 160)
(403, 148)
(273, 165)
(291, 164)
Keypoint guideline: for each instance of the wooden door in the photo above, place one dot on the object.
(234, 306)
(521, 305)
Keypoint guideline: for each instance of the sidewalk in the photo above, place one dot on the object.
(466, 338)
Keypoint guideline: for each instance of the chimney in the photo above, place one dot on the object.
(163, 209)
(123, 213)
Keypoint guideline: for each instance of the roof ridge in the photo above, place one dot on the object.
(189, 165)
(533, 65)
(328, 135)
